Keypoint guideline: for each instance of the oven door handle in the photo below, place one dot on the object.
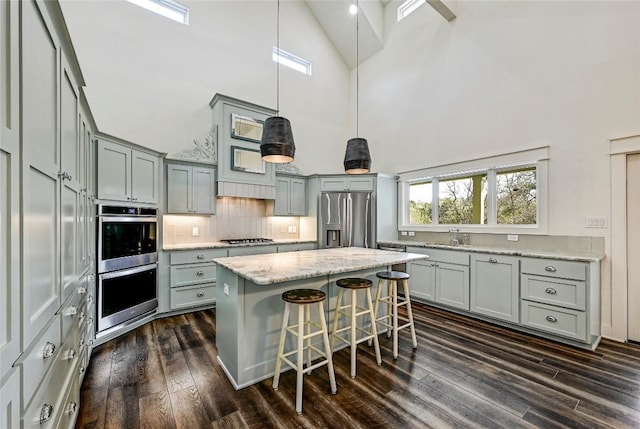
(128, 271)
(120, 218)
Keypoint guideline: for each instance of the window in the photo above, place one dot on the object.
(406, 8)
(291, 60)
(167, 8)
(495, 197)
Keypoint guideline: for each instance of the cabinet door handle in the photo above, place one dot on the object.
(200, 273)
(49, 350)
(200, 256)
(82, 290)
(551, 291)
(71, 408)
(550, 268)
(551, 319)
(71, 354)
(46, 413)
(493, 260)
(71, 311)
(200, 294)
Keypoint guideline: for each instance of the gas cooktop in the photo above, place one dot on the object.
(247, 240)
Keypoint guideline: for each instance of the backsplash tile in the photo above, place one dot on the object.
(525, 242)
(235, 218)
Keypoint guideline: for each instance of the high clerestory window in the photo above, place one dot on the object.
(406, 8)
(167, 8)
(495, 196)
(291, 60)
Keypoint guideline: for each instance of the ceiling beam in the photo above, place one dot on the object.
(442, 9)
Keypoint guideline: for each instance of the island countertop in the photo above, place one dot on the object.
(282, 267)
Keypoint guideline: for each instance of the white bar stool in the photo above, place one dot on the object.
(353, 310)
(390, 320)
(303, 298)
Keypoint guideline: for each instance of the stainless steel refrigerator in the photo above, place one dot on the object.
(346, 219)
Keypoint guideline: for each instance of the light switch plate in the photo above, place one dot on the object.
(195, 231)
(512, 237)
(412, 233)
(595, 222)
(226, 289)
(403, 233)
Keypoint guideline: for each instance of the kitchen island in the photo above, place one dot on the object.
(249, 307)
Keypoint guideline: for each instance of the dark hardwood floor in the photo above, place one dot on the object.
(465, 373)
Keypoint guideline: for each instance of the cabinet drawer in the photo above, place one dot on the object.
(192, 296)
(47, 405)
(553, 291)
(554, 268)
(252, 250)
(439, 255)
(192, 274)
(70, 406)
(40, 358)
(296, 247)
(196, 256)
(70, 314)
(555, 320)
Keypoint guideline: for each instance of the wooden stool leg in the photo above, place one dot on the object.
(354, 346)
(336, 317)
(394, 291)
(283, 336)
(307, 323)
(405, 284)
(327, 349)
(377, 305)
(300, 359)
(374, 330)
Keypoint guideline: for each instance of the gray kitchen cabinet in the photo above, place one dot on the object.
(290, 196)
(192, 277)
(557, 298)
(443, 278)
(252, 250)
(48, 252)
(347, 183)
(191, 189)
(296, 247)
(10, 245)
(239, 129)
(126, 174)
(495, 290)
(10, 401)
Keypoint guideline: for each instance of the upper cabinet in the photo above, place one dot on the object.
(191, 189)
(346, 183)
(241, 171)
(126, 173)
(290, 196)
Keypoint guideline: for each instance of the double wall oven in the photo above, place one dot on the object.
(127, 264)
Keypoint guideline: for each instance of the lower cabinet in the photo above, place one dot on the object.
(495, 290)
(443, 278)
(10, 401)
(192, 277)
(296, 247)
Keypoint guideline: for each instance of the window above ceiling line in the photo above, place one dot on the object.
(167, 8)
(406, 8)
(291, 60)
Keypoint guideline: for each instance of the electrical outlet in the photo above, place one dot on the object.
(195, 231)
(512, 237)
(595, 222)
(412, 233)
(403, 233)
(226, 289)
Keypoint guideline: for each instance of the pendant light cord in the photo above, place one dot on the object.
(278, 62)
(357, 69)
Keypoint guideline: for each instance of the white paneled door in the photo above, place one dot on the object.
(633, 246)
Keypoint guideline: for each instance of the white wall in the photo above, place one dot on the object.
(149, 79)
(505, 76)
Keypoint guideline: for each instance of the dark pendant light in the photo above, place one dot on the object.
(277, 143)
(357, 159)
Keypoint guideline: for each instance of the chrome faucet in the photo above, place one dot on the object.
(454, 236)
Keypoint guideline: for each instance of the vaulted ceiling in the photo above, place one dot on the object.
(340, 26)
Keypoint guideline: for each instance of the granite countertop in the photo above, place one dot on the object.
(222, 245)
(281, 267)
(547, 254)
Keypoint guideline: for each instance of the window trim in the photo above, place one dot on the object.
(408, 7)
(289, 59)
(166, 5)
(538, 157)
